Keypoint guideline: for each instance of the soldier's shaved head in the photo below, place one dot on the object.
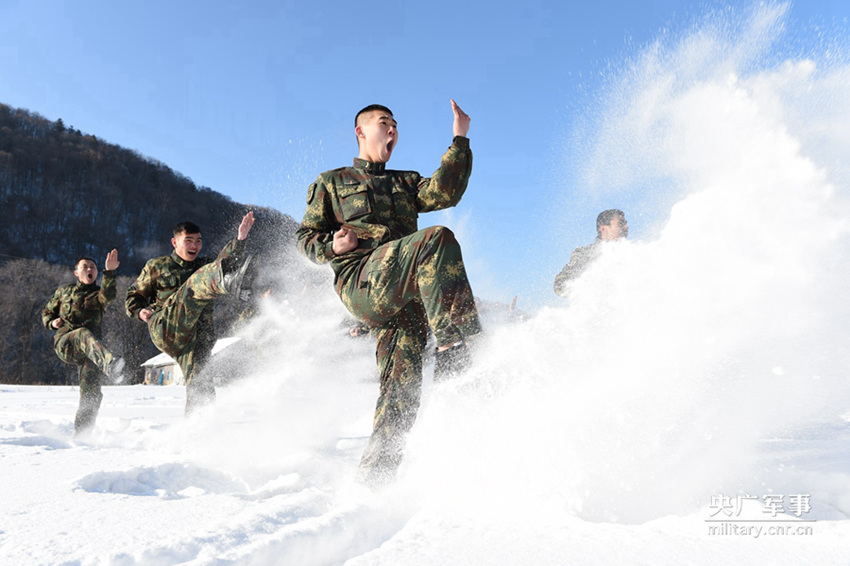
(371, 108)
(85, 270)
(376, 130)
(77, 263)
(605, 228)
(186, 228)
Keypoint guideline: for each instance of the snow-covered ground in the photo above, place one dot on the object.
(687, 405)
(240, 484)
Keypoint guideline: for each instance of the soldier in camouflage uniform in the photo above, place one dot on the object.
(610, 225)
(395, 278)
(174, 295)
(75, 312)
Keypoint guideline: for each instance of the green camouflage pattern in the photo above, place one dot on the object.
(427, 265)
(379, 204)
(399, 280)
(181, 293)
(80, 306)
(579, 262)
(78, 340)
(400, 349)
(80, 347)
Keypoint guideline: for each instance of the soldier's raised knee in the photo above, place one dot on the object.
(442, 234)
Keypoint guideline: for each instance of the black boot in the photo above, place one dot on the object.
(450, 362)
(234, 275)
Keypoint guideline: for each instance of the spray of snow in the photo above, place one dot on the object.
(655, 386)
(675, 356)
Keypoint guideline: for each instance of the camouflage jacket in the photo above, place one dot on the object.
(79, 305)
(379, 204)
(579, 262)
(162, 276)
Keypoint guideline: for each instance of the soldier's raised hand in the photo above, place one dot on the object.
(245, 226)
(460, 127)
(111, 263)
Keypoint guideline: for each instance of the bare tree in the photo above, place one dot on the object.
(125, 336)
(26, 349)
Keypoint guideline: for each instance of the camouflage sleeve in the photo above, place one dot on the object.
(233, 248)
(51, 310)
(561, 281)
(107, 288)
(579, 261)
(314, 238)
(446, 187)
(140, 293)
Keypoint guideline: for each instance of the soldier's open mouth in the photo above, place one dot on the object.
(390, 145)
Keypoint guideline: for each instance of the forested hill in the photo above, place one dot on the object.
(65, 194)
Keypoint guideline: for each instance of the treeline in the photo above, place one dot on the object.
(65, 194)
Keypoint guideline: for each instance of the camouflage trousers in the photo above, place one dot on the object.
(184, 329)
(400, 290)
(82, 348)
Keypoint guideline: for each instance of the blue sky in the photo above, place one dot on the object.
(254, 99)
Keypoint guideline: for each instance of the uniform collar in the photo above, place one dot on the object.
(86, 286)
(180, 261)
(370, 166)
